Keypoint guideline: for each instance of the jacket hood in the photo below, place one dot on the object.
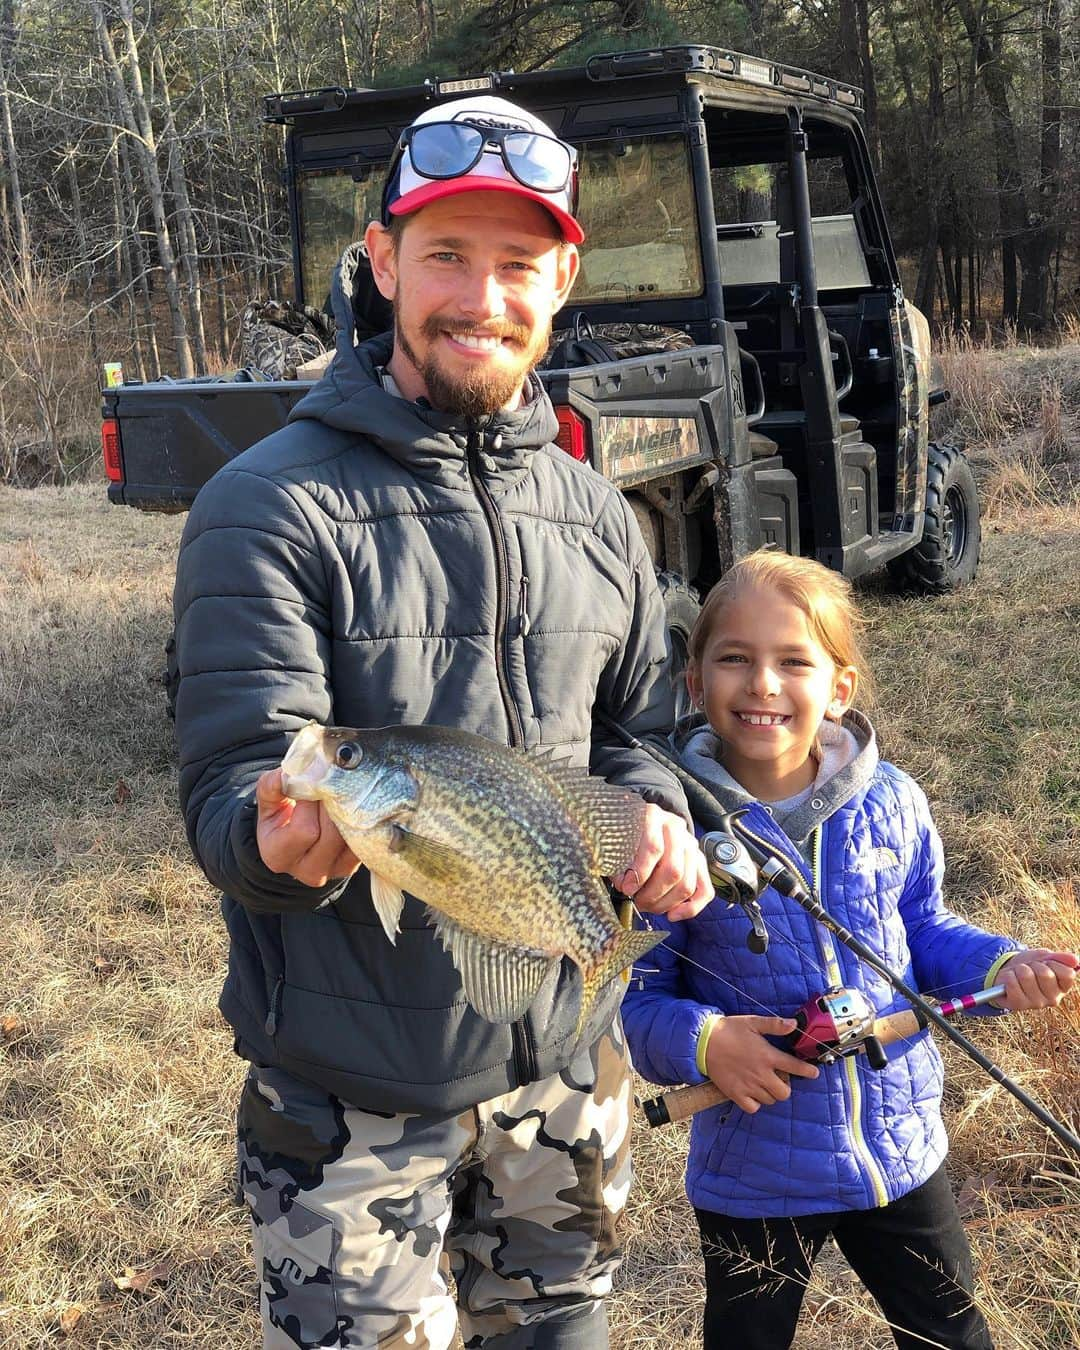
(850, 760)
(432, 444)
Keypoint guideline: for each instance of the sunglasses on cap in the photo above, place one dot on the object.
(443, 150)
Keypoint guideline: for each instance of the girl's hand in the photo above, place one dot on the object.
(1036, 979)
(747, 1068)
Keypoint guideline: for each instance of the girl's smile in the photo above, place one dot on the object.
(766, 683)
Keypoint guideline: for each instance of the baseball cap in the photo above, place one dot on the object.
(483, 144)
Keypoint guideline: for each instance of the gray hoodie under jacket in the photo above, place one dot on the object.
(378, 563)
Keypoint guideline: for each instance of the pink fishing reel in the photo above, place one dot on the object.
(838, 1022)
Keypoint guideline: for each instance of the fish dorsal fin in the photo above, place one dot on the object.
(500, 982)
(437, 861)
(610, 816)
(388, 901)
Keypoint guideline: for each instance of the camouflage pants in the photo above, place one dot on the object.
(358, 1217)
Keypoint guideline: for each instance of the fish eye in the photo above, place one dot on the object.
(348, 755)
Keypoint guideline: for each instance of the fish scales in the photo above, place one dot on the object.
(506, 849)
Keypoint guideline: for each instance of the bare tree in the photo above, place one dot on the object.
(8, 34)
(136, 113)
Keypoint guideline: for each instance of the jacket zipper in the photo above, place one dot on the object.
(271, 1024)
(524, 623)
(523, 1047)
(502, 582)
(851, 1068)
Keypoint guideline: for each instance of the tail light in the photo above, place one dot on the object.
(110, 450)
(573, 434)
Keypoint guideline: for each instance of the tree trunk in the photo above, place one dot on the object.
(213, 210)
(8, 33)
(869, 84)
(139, 248)
(137, 118)
(1012, 206)
(1040, 242)
(926, 285)
(189, 244)
(83, 255)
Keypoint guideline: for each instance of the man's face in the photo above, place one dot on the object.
(474, 281)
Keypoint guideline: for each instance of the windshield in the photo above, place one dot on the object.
(745, 199)
(636, 208)
(335, 207)
(638, 213)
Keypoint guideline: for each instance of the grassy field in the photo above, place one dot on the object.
(117, 1222)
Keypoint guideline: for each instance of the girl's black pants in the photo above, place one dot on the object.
(912, 1255)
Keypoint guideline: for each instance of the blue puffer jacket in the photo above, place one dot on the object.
(853, 1138)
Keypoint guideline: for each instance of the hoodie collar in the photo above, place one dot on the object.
(699, 748)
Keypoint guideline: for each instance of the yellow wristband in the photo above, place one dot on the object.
(995, 969)
(703, 1041)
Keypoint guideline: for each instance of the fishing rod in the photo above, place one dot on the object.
(742, 865)
(828, 1027)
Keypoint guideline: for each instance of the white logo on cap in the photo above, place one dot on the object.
(486, 120)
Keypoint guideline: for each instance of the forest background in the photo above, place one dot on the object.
(141, 198)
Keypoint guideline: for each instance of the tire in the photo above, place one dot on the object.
(947, 556)
(682, 608)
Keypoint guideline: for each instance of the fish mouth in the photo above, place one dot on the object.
(305, 764)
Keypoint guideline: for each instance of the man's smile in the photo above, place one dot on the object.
(476, 342)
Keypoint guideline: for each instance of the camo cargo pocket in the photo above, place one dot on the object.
(295, 1258)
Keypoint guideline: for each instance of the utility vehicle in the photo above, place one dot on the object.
(773, 385)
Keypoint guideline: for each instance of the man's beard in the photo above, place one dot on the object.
(479, 392)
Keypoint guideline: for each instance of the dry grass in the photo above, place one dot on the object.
(1018, 410)
(116, 1075)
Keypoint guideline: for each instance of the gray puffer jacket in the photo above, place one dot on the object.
(377, 562)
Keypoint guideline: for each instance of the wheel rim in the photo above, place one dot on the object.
(954, 525)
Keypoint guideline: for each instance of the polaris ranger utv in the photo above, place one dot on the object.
(737, 354)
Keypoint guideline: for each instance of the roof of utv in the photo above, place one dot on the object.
(727, 73)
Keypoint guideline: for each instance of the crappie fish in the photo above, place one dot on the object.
(505, 848)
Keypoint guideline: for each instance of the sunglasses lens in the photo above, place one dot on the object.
(444, 149)
(538, 161)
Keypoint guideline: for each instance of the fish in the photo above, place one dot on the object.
(506, 848)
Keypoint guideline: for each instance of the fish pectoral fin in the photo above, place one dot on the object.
(388, 900)
(500, 982)
(611, 816)
(439, 862)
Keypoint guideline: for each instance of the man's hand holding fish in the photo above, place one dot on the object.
(299, 838)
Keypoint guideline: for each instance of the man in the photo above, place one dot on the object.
(413, 548)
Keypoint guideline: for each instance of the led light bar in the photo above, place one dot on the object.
(761, 72)
(476, 85)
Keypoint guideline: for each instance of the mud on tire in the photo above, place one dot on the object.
(947, 556)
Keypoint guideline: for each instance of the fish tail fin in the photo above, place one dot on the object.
(630, 944)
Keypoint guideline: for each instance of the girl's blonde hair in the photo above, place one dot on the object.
(825, 597)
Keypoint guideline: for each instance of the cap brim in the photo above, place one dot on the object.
(436, 189)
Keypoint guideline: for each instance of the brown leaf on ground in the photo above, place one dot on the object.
(13, 1028)
(139, 1281)
(70, 1318)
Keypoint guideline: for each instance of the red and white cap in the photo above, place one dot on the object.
(409, 190)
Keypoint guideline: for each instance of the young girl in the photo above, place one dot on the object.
(841, 1149)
